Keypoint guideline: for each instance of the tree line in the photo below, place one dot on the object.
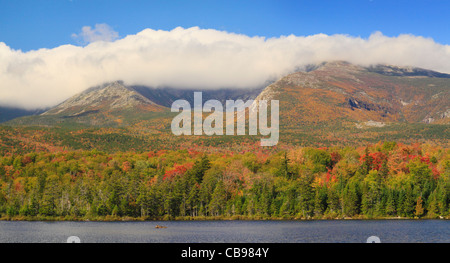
(382, 180)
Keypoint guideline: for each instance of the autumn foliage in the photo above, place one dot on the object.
(380, 180)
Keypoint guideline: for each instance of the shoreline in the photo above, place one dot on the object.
(209, 218)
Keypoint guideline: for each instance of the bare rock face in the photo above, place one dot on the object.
(109, 97)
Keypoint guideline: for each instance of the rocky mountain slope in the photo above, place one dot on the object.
(326, 93)
(342, 92)
(112, 104)
(166, 96)
(106, 98)
(331, 103)
(334, 103)
(115, 104)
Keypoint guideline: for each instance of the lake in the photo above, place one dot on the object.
(354, 231)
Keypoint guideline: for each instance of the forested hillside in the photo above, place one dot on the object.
(382, 180)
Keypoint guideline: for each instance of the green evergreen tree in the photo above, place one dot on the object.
(351, 199)
(391, 207)
(218, 200)
(320, 201)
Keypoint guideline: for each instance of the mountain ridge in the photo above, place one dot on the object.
(329, 91)
(331, 104)
(340, 90)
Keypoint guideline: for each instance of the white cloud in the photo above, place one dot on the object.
(101, 32)
(195, 58)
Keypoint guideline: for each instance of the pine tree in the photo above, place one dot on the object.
(368, 160)
(351, 200)
(390, 204)
(409, 204)
(218, 200)
(432, 207)
(333, 202)
(306, 196)
(200, 168)
(384, 171)
(320, 202)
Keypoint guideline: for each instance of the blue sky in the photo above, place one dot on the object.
(34, 24)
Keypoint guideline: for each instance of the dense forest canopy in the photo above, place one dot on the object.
(382, 180)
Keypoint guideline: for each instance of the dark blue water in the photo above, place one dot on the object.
(354, 231)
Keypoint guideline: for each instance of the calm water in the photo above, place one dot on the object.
(391, 231)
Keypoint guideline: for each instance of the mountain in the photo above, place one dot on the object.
(390, 70)
(166, 96)
(106, 98)
(116, 104)
(110, 104)
(339, 92)
(333, 103)
(10, 113)
(332, 92)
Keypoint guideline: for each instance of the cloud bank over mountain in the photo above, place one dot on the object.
(192, 58)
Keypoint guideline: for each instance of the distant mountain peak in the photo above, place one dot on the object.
(390, 70)
(108, 97)
(341, 67)
(337, 63)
